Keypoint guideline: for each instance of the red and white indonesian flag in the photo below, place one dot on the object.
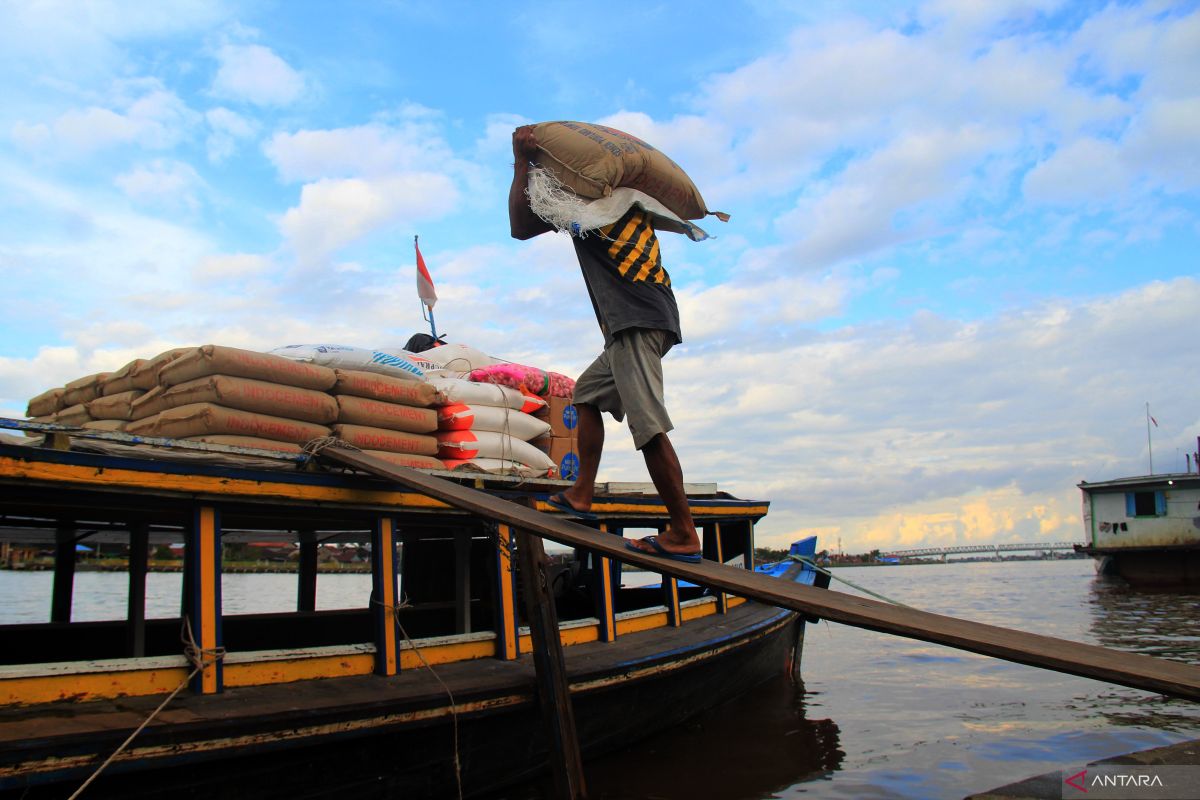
(425, 288)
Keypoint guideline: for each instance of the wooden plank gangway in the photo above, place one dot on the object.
(1169, 678)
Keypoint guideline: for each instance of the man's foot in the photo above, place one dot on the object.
(653, 545)
(562, 503)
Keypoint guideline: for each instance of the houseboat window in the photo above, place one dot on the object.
(1145, 504)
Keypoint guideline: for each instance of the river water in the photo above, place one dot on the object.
(876, 716)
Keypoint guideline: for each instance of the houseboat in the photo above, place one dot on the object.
(427, 689)
(1145, 529)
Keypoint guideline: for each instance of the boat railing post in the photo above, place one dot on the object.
(384, 596)
(606, 593)
(64, 571)
(748, 559)
(462, 580)
(554, 695)
(713, 550)
(139, 561)
(670, 591)
(306, 586)
(202, 596)
(507, 640)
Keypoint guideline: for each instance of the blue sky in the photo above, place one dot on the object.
(962, 253)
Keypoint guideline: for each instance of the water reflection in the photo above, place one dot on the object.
(1163, 624)
(752, 747)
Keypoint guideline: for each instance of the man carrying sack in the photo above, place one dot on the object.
(631, 294)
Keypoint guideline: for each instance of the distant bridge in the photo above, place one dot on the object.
(997, 549)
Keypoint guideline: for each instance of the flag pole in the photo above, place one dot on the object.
(1149, 445)
(428, 317)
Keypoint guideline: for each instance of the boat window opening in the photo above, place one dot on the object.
(1145, 504)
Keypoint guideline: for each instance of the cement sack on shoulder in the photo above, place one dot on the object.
(458, 390)
(406, 459)
(45, 403)
(593, 160)
(393, 416)
(496, 466)
(105, 425)
(261, 397)
(114, 406)
(401, 364)
(81, 390)
(468, 445)
(203, 419)
(216, 360)
(249, 441)
(73, 415)
(148, 404)
(462, 417)
(357, 383)
(367, 438)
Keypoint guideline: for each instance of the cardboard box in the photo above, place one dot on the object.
(564, 452)
(563, 419)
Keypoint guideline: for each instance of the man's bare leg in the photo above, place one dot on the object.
(667, 474)
(591, 445)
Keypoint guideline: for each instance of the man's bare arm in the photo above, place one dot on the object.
(522, 222)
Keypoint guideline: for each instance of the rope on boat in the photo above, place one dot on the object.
(200, 659)
(453, 705)
(823, 571)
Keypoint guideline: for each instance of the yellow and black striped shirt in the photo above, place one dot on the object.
(626, 281)
(633, 248)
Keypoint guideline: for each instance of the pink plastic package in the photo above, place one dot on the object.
(531, 379)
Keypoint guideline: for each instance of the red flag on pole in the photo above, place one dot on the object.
(425, 289)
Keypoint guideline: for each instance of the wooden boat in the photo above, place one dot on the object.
(427, 685)
(1145, 529)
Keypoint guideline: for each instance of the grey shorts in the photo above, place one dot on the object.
(627, 380)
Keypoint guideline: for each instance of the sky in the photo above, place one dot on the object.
(961, 258)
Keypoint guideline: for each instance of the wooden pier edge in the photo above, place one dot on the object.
(1137, 671)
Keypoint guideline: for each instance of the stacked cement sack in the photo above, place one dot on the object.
(224, 395)
(396, 405)
(488, 427)
(387, 416)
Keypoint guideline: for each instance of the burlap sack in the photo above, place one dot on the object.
(105, 425)
(406, 459)
(148, 404)
(393, 416)
(249, 441)
(144, 426)
(122, 380)
(384, 387)
(213, 359)
(143, 374)
(260, 397)
(114, 406)
(73, 415)
(366, 438)
(202, 419)
(46, 403)
(592, 160)
(81, 390)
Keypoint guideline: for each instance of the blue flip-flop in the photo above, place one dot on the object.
(687, 558)
(560, 502)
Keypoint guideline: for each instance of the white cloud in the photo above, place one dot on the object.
(366, 150)
(255, 74)
(226, 128)
(163, 182)
(146, 115)
(335, 213)
(232, 267)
